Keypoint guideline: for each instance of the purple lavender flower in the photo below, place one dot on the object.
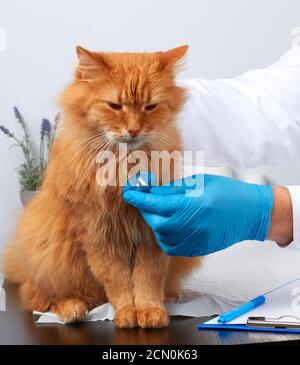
(6, 131)
(45, 127)
(18, 115)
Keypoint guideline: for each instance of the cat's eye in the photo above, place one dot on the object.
(150, 107)
(115, 106)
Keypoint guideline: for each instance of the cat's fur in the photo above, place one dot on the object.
(77, 244)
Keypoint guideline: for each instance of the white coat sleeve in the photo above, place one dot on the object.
(248, 121)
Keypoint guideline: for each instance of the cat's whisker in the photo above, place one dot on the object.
(84, 145)
(165, 140)
(98, 144)
(92, 154)
(98, 134)
(169, 139)
(91, 159)
(84, 158)
(91, 139)
(157, 132)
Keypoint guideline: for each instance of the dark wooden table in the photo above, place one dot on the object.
(19, 328)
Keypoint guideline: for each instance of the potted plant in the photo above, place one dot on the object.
(32, 169)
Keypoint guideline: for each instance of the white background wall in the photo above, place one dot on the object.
(226, 37)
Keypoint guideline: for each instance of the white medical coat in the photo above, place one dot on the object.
(248, 121)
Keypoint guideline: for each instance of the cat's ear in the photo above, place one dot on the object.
(90, 64)
(170, 58)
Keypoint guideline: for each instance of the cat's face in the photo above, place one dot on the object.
(126, 97)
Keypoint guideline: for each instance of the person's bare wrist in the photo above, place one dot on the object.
(281, 227)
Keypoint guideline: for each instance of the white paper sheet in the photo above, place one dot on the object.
(195, 306)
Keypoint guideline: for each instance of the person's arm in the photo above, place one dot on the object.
(281, 227)
(189, 219)
(225, 212)
(294, 192)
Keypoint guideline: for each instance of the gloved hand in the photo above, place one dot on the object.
(228, 211)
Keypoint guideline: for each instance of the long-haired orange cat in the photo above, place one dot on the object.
(79, 244)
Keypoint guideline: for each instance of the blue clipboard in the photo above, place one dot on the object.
(244, 327)
(278, 303)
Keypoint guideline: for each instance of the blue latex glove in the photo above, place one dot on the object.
(227, 212)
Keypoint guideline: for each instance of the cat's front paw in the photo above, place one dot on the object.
(126, 317)
(70, 310)
(153, 318)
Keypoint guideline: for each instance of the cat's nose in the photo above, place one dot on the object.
(133, 132)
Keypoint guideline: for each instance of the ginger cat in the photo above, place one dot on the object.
(79, 245)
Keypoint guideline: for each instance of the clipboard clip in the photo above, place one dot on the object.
(280, 322)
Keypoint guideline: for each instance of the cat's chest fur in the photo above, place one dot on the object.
(118, 223)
